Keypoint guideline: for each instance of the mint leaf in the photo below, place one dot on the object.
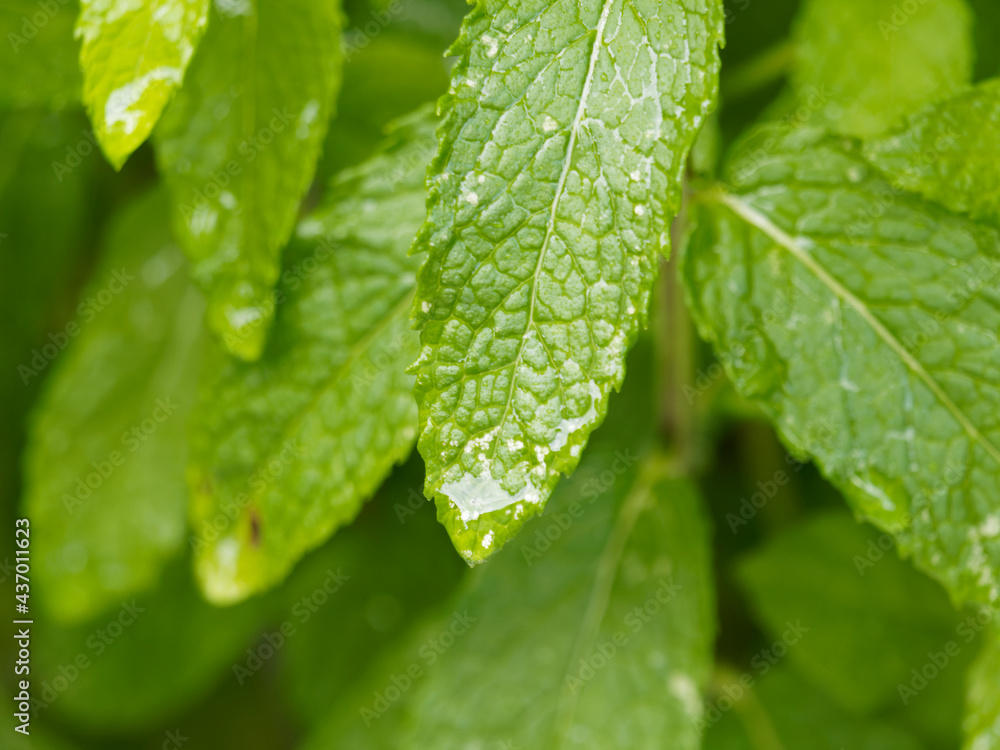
(238, 147)
(559, 169)
(386, 592)
(864, 322)
(105, 461)
(175, 645)
(134, 56)
(946, 153)
(871, 621)
(783, 711)
(621, 612)
(982, 718)
(622, 620)
(38, 55)
(879, 60)
(287, 449)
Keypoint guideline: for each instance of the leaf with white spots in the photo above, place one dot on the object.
(864, 320)
(134, 54)
(286, 449)
(596, 633)
(238, 147)
(561, 154)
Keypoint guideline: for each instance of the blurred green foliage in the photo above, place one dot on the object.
(127, 652)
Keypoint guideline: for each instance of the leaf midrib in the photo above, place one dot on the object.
(605, 575)
(762, 223)
(399, 309)
(560, 187)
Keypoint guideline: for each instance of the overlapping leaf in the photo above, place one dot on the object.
(105, 462)
(864, 320)
(948, 153)
(286, 449)
(594, 632)
(871, 620)
(878, 60)
(133, 55)
(559, 168)
(139, 663)
(982, 719)
(238, 147)
(781, 710)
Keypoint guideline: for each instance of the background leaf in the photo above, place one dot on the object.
(783, 711)
(105, 464)
(871, 344)
(134, 55)
(286, 449)
(871, 617)
(982, 721)
(945, 153)
(877, 60)
(238, 147)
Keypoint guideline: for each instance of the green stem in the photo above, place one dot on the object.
(751, 712)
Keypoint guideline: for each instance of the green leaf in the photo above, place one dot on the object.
(947, 153)
(871, 620)
(238, 147)
(386, 593)
(616, 592)
(139, 663)
(783, 711)
(559, 170)
(864, 321)
(105, 462)
(982, 717)
(38, 55)
(287, 449)
(878, 60)
(621, 620)
(134, 55)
